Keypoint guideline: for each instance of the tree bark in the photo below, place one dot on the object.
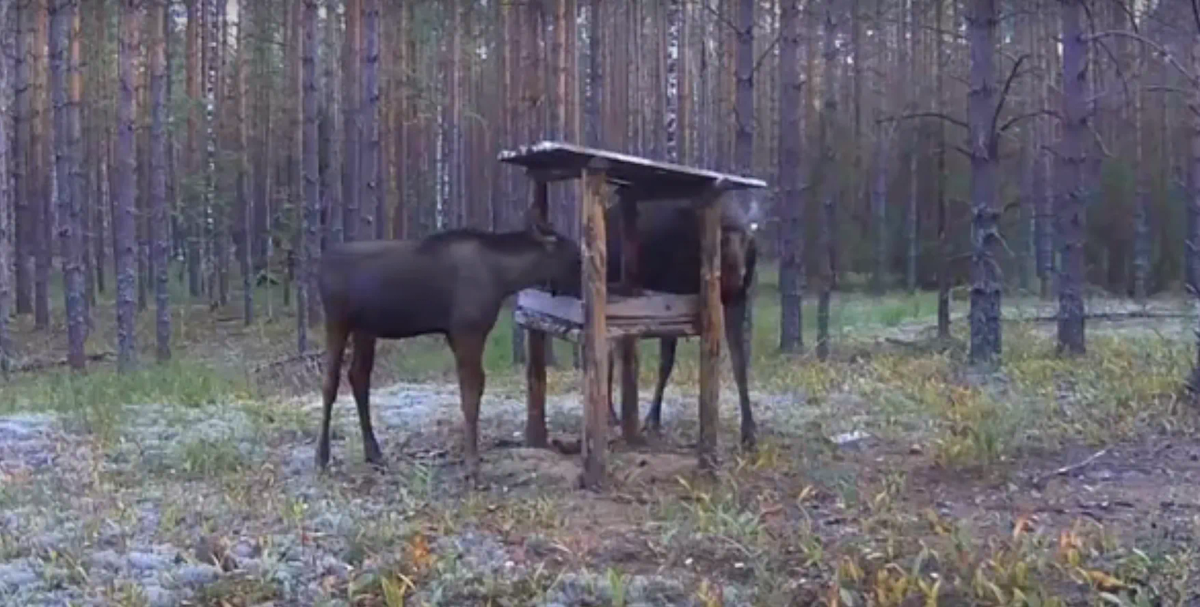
(160, 224)
(1141, 216)
(828, 176)
(245, 201)
(193, 188)
(744, 137)
(943, 298)
(373, 206)
(66, 94)
(791, 336)
(6, 210)
(595, 126)
(312, 189)
(1073, 159)
(351, 133)
(23, 193)
(41, 150)
(985, 233)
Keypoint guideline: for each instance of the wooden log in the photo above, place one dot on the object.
(573, 331)
(652, 305)
(535, 366)
(630, 283)
(710, 330)
(595, 341)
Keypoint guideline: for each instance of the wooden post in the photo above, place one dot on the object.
(630, 250)
(595, 330)
(710, 328)
(535, 366)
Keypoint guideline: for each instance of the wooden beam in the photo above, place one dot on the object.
(710, 330)
(569, 330)
(535, 367)
(595, 342)
(630, 283)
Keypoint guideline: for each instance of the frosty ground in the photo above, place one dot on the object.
(892, 474)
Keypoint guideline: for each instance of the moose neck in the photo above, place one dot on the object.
(519, 262)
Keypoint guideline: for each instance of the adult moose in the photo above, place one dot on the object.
(669, 261)
(451, 283)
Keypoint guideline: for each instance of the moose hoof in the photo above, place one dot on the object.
(749, 440)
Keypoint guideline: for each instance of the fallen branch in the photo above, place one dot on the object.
(1065, 470)
(1110, 316)
(40, 365)
(307, 356)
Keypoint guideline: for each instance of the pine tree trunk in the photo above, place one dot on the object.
(67, 95)
(913, 135)
(943, 256)
(331, 158)
(1141, 217)
(6, 210)
(1073, 167)
(124, 192)
(23, 200)
(41, 150)
(827, 175)
(985, 232)
(373, 206)
(351, 133)
(403, 61)
(744, 138)
(245, 202)
(159, 222)
(193, 188)
(312, 190)
(791, 336)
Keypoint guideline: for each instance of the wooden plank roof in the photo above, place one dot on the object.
(556, 160)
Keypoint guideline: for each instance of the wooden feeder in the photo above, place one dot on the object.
(598, 316)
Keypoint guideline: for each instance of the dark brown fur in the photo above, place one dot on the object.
(452, 283)
(669, 261)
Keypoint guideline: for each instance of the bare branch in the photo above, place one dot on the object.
(1158, 48)
(1027, 115)
(915, 115)
(1100, 141)
(1012, 75)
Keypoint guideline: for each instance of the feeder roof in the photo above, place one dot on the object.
(556, 161)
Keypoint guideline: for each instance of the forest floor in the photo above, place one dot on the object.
(889, 475)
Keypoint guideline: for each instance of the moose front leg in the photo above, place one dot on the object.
(360, 382)
(734, 335)
(468, 355)
(666, 363)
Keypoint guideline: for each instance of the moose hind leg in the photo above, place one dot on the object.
(734, 336)
(666, 363)
(335, 345)
(360, 382)
(468, 356)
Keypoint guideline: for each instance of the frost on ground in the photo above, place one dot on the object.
(225, 500)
